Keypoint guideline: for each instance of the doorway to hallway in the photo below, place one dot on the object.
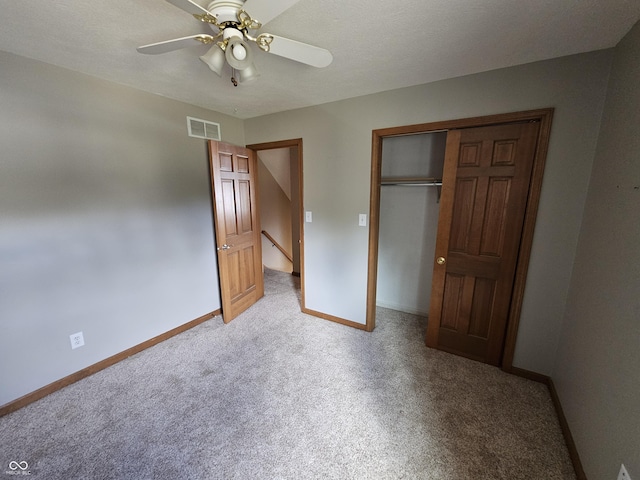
(280, 192)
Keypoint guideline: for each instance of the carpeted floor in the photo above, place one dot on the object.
(277, 394)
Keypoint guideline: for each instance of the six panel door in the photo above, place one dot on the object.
(233, 171)
(486, 180)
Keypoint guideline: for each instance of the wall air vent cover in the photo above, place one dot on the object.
(203, 129)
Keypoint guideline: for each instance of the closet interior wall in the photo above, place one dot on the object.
(408, 220)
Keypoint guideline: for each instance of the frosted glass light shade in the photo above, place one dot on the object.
(215, 59)
(249, 74)
(238, 54)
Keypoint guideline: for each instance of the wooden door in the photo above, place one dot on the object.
(233, 179)
(486, 181)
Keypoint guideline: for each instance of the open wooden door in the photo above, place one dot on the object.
(486, 180)
(233, 181)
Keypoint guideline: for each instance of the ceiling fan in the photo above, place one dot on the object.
(233, 28)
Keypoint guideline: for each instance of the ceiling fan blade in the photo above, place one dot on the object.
(300, 52)
(264, 11)
(176, 44)
(190, 7)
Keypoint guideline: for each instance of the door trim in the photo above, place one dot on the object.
(544, 116)
(295, 142)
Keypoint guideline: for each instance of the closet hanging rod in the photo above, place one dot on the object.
(412, 182)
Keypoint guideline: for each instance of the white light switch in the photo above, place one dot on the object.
(362, 220)
(309, 217)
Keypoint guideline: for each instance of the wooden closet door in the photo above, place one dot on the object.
(486, 181)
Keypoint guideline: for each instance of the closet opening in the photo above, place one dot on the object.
(410, 188)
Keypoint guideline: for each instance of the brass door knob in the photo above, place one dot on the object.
(440, 260)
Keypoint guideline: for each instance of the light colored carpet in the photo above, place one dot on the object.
(277, 394)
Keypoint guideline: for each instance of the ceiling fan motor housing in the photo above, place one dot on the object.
(225, 10)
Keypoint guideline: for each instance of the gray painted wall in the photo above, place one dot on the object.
(597, 372)
(337, 153)
(105, 223)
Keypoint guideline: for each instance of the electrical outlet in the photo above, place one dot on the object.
(623, 475)
(77, 340)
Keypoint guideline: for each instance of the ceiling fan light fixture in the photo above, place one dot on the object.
(215, 59)
(238, 53)
(235, 29)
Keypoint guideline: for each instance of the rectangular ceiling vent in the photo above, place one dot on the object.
(203, 129)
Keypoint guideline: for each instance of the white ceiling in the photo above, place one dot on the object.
(377, 45)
